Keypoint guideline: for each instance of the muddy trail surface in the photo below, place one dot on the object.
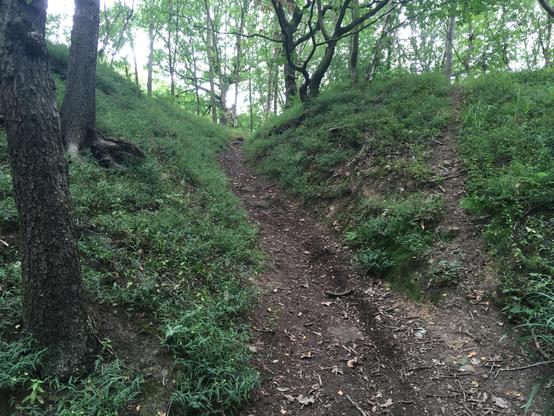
(329, 341)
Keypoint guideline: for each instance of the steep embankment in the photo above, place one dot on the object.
(165, 256)
(390, 166)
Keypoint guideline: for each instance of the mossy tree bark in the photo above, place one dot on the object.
(53, 298)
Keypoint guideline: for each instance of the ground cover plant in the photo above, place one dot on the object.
(162, 242)
(508, 146)
(364, 151)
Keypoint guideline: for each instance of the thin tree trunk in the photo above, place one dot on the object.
(377, 51)
(134, 59)
(354, 46)
(196, 84)
(250, 104)
(79, 103)
(53, 299)
(275, 92)
(150, 65)
(269, 96)
(449, 50)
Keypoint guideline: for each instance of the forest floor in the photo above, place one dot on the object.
(373, 351)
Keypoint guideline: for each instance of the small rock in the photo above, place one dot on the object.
(501, 403)
(468, 368)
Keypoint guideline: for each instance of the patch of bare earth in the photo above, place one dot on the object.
(371, 352)
(131, 339)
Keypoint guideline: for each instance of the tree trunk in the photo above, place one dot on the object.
(150, 60)
(53, 299)
(135, 63)
(449, 50)
(547, 7)
(314, 86)
(291, 89)
(79, 103)
(354, 46)
(250, 103)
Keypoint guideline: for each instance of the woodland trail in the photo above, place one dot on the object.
(372, 352)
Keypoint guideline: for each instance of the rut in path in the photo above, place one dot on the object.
(370, 353)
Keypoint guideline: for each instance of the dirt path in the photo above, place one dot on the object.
(372, 352)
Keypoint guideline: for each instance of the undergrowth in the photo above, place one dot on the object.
(363, 152)
(508, 145)
(164, 240)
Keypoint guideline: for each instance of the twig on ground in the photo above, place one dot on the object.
(4, 243)
(525, 367)
(362, 412)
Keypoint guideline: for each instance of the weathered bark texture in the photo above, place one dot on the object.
(449, 50)
(53, 299)
(79, 104)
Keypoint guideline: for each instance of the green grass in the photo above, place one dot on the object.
(164, 238)
(364, 150)
(508, 145)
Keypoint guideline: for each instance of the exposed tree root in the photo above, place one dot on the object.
(339, 294)
(111, 152)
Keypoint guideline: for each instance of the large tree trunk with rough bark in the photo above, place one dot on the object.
(79, 103)
(53, 300)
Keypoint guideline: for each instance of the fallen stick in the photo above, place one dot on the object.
(339, 294)
(356, 406)
(525, 367)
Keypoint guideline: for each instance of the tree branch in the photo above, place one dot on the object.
(546, 6)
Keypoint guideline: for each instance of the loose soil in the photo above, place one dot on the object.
(373, 352)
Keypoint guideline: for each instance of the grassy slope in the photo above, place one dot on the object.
(507, 143)
(361, 154)
(165, 239)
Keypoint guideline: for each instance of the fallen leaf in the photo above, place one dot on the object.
(352, 363)
(282, 389)
(306, 401)
(388, 403)
(307, 355)
(289, 397)
(327, 303)
(500, 402)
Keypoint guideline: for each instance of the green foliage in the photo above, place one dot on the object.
(213, 372)
(18, 360)
(105, 392)
(165, 239)
(508, 146)
(374, 136)
(304, 146)
(395, 232)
